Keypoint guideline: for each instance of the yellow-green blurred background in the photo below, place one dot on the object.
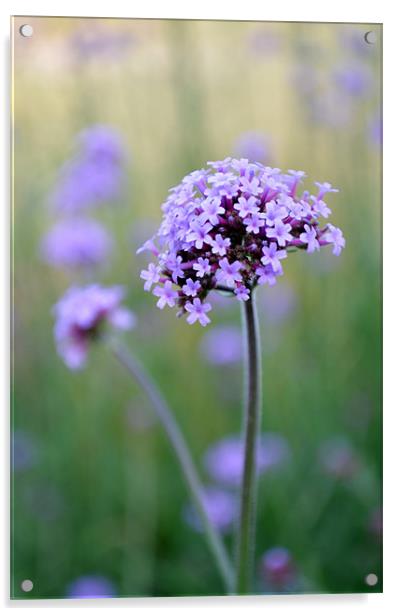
(101, 494)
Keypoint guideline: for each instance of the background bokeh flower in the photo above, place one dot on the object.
(94, 176)
(81, 314)
(90, 587)
(221, 507)
(224, 460)
(278, 569)
(75, 243)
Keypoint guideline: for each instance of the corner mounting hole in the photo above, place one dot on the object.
(27, 585)
(370, 37)
(371, 579)
(26, 30)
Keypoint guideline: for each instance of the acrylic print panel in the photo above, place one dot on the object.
(137, 446)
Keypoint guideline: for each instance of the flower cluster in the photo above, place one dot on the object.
(81, 315)
(228, 227)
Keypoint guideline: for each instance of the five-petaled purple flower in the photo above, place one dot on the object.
(220, 245)
(167, 295)
(272, 256)
(336, 238)
(198, 312)
(151, 276)
(202, 267)
(192, 287)
(81, 314)
(309, 237)
(229, 273)
(228, 226)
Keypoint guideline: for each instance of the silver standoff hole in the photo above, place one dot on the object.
(26, 30)
(370, 37)
(27, 585)
(371, 579)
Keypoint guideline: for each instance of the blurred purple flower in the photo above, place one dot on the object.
(277, 304)
(278, 569)
(338, 457)
(90, 587)
(80, 315)
(253, 145)
(224, 460)
(96, 43)
(24, 450)
(264, 42)
(221, 507)
(94, 176)
(102, 144)
(222, 345)
(353, 40)
(76, 242)
(355, 80)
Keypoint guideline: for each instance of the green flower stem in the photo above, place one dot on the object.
(253, 387)
(175, 436)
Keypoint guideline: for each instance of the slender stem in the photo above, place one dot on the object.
(183, 455)
(253, 386)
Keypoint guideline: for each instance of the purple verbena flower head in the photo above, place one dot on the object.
(91, 587)
(80, 316)
(76, 243)
(228, 227)
(221, 507)
(94, 175)
(225, 459)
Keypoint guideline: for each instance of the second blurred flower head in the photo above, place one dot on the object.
(80, 316)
